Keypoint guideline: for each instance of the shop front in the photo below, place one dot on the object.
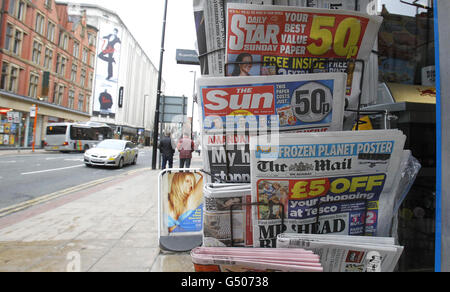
(18, 125)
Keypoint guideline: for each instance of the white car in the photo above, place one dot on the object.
(114, 153)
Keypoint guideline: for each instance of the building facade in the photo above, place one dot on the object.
(125, 81)
(46, 60)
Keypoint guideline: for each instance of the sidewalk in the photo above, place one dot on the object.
(4, 152)
(110, 227)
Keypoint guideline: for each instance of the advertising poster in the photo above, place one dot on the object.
(107, 70)
(184, 202)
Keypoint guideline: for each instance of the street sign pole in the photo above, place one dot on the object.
(35, 112)
(158, 97)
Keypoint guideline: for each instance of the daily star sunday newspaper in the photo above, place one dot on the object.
(337, 185)
(280, 40)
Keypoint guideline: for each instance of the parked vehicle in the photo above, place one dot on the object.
(112, 152)
(67, 137)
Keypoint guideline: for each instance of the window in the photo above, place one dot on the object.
(58, 94)
(48, 59)
(9, 36)
(33, 88)
(85, 55)
(17, 9)
(37, 51)
(40, 22)
(71, 98)
(21, 10)
(51, 28)
(73, 73)
(13, 39)
(13, 79)
(12, 7)
(63, 40)
(81, 102)
(48, 4)
(76, 49)
(61, 63)
(5, 76)
(83, 77)
(91, 39)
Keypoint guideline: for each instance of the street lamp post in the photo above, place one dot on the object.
(193, 104)
(158, 96)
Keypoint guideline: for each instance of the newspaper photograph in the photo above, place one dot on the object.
(220, 199)
(287, 103)
(207, 259)
(282, 40)
(347, 253)
(321, 183)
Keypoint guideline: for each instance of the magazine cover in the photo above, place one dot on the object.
(337, 182)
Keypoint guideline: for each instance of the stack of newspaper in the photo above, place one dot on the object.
(222, 202)
(217, 259)
(235, 108)
(343, 253)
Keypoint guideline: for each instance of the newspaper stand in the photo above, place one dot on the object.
(174, 242)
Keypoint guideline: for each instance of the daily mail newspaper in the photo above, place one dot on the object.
(280, 40)
(235, 108)
(337, 182)
(206, 259)
(219, 199)
(342, 253)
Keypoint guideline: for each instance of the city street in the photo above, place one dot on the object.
(41, 176)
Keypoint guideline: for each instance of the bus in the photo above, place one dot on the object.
(68, 137)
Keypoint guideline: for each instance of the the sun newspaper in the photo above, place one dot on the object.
(216, 259)
(233, 109)
(343, 253)
(220, 201)
(336, 182)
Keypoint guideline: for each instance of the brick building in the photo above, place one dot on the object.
(47, 59)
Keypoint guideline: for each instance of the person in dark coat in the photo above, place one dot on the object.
(167, 150)
(185, 147)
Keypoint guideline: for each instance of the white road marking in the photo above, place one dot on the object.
(50, 170)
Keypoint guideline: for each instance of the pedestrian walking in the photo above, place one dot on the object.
(167, 149)
(185, 147)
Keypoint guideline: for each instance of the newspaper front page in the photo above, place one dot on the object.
(336, 182)
(233, 109)
(217, 229)
(282, 40)
(347, 253)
